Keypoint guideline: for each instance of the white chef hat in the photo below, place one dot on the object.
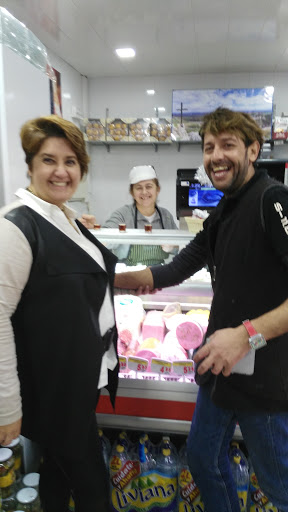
(140, 173)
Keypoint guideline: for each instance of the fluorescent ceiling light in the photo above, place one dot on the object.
(125, 53)
(160, 109)
(150, 92)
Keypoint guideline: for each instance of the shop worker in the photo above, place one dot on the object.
(243, 369)
(57, 332)
(144, 188)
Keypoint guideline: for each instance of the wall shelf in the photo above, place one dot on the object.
(109, 144)
(177, 144)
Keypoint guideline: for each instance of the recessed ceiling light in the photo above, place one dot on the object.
(125, 53)
(150, 92)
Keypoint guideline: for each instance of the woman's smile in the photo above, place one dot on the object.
(55, 171)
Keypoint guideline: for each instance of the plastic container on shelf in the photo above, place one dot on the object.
(106, 447)
(147, 461)
(166, 443)
(124, 440)
(124, 472)
(167, 476)
(148, 443)
(236, 450)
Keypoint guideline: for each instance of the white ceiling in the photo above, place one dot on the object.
(169, 36)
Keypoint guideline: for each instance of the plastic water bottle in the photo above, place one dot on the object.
(147, 462)
(148, 443)
(240, 474)
(123, 440)
(167, 473)
(106, 447)
(167, 462)
(236, 450)
(167, 444)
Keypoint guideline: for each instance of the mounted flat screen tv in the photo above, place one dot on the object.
(189, 107)
(200, 196)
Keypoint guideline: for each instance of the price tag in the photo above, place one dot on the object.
(183, 367)
(122, 363)
(161, 366)
(138, 364)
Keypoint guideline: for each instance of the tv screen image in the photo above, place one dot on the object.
(203, 197)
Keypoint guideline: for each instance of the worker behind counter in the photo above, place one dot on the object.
(144, 188)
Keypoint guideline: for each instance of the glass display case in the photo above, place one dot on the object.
(159, 392)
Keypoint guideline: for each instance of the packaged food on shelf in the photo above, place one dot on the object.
(139, 129)
(160, 130)
(95, 129)
(129, 313)
(117, 130)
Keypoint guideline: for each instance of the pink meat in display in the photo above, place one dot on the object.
(189, 334)
(153, 326)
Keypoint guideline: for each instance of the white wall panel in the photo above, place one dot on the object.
(25, 94)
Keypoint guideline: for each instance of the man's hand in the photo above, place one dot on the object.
(225, 348)
(88, 220)
(144, 290)
(10, 432)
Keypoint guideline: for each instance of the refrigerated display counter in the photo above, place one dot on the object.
(163, 398)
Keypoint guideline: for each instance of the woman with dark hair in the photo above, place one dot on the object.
(58, 336)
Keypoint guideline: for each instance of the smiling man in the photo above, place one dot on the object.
(242, 363)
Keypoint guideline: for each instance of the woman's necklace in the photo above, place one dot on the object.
(62, 208)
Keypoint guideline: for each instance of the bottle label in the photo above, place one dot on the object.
(135, 492)
(189, 494)
(258, 501)
(242, 496)
(128, 472)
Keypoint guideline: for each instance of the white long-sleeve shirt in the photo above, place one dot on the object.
(15, 264)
